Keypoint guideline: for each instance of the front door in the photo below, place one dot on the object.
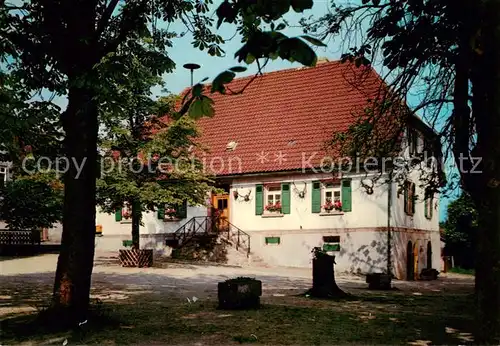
(221, 205)
(410, 262)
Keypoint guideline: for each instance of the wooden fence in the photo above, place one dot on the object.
(17, 242)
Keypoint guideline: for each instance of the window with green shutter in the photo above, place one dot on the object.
(426, 207)
(118, 215)
(405, 199)
(316, 197)
(331, 243)
(285, 198)
(346, 195)
(259, 199)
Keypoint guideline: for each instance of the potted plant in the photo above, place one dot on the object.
(126, 214)
(274, 208)
(171, 213)
(329, 205)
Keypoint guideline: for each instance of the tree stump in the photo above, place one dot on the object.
(140, 258)
(239, 293)
(378, 281)
(323, 272)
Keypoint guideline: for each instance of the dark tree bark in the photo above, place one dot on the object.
(80, 122)
(74, 266)
(484, 184)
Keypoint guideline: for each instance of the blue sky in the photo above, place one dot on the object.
(183, 52)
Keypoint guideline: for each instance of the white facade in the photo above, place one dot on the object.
(362, 232)
(357, 237)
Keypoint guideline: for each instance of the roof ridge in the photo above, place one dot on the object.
(285, 70)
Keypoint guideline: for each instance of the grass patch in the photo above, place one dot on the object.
(385, 318)
(459, 270)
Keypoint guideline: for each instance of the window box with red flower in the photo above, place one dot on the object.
(330, 206)
(126, 212)
(273, 208)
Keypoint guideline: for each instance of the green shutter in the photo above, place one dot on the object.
(285, 198)
(160, 213)
(406, 197)
(182, 210)
(346, 195)
(273, 240)
(316, 197)
(413, 198)
(118, 215)
(426, 204)
(331, 247)
(259, 200)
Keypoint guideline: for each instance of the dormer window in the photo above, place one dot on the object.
(231, 146)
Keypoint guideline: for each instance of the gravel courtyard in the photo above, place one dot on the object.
(142, 297)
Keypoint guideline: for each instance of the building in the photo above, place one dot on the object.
(267, 149)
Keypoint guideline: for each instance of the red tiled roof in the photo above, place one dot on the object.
(292, 112)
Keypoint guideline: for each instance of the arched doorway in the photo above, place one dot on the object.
(429, 255)
(410, 262)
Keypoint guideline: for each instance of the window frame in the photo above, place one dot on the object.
(413, 139)
(410, 198)
(331, 243)
(5, 172)
(126, 207)
(273, 190)
(429, 205)
(273, 243)
(330, 187)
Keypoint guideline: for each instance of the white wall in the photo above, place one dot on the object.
(367, 210)
(152, 232)
(151, 224)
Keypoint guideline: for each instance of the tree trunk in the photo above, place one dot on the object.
(74, 266)
(136, 223)
(485, 182)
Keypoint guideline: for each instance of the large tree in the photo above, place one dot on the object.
(446, 53)
(59, 45)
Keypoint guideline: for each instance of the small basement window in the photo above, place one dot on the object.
(331, 243)
(273, 240)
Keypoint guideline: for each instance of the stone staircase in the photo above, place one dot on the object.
(210, 239)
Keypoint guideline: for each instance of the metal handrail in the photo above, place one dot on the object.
(213, 225)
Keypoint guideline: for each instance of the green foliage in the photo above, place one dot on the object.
(32, 202)
(29, 127)
(461, 227)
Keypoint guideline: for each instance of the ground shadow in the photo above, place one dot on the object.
(145, 308)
